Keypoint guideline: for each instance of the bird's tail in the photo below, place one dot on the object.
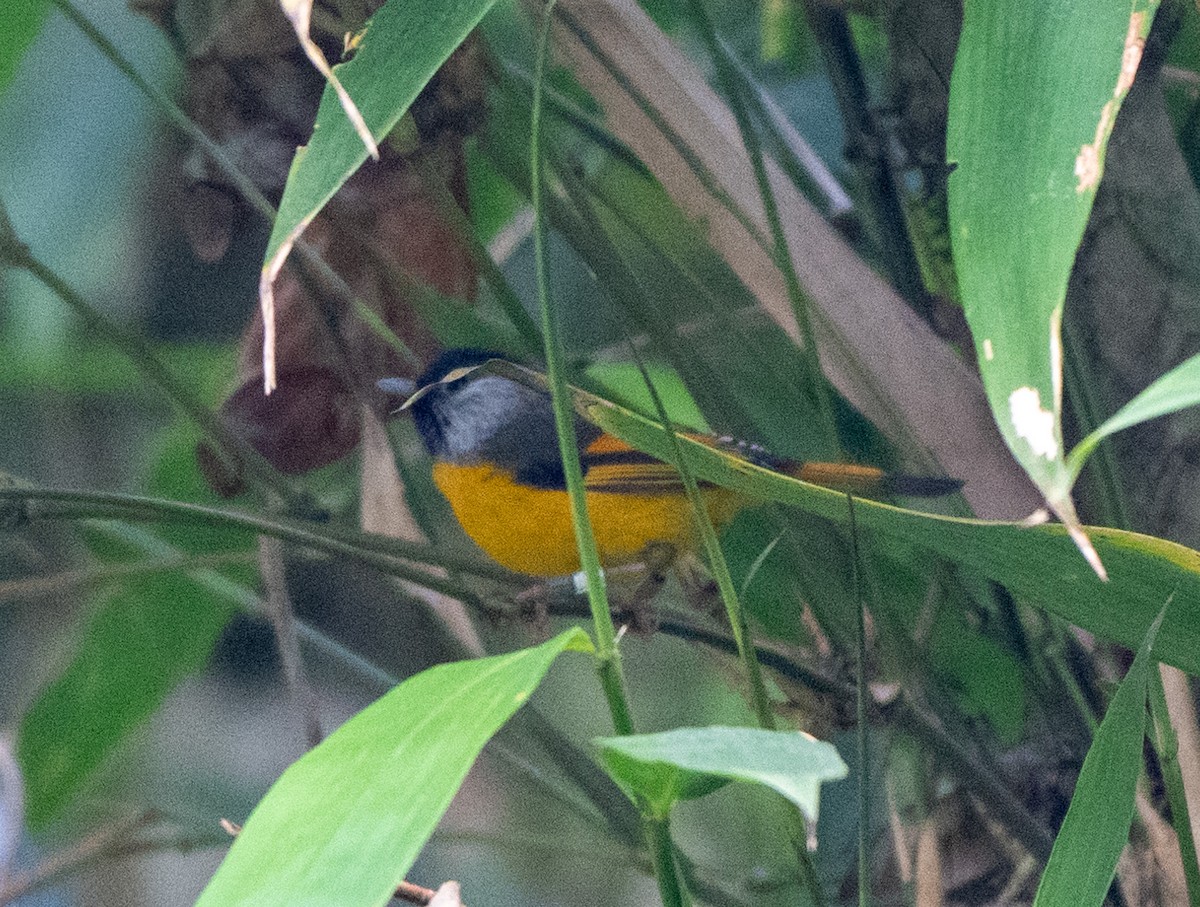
(856, 479)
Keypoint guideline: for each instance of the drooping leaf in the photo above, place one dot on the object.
(345, 822)
(1038, 563)
(660, 769)
(397, 53)
(1034, 94)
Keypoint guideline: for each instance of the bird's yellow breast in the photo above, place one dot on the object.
(529, 529)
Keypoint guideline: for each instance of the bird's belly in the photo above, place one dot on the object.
(529, 529)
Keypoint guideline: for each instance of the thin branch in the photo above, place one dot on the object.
(867, 148)
(34, 587)
(138, 350)
(283, 621)
(385, 554)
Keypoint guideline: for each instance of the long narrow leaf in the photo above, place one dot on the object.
(1094, 831)
(1177, 389)
(398, 52)
(1033, 98)
(344, 823)
(1039, 563)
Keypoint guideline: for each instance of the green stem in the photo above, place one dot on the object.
(907, 714)
(741, 636)
(1166, 746)
(607, 655)
(666, 870)
(720, 567)
(612, 679)
(860, 711)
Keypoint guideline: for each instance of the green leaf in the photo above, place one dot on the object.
(346, 821)
(624, 381)
(140, 643)
(1038, 563)
(984, 679)
(1035, 90)
(657, 770)
(22, 21)
(1176, 390)
(1085, 853)
(142, 639)
(401, 48)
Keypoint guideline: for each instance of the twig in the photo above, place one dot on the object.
(867, 148)
(283, 622)
(35, 587)
(385, 554)
(413, 894)
(138, 350)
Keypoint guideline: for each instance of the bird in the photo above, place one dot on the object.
(496, 460)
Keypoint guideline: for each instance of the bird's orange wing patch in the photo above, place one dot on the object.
(613, 466)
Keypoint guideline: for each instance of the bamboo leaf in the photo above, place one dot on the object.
(396, 54)
(1084, 858)
(1034, 94)
(346, 821)
(660, 769)
(1177, 389)
(1038, 563)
